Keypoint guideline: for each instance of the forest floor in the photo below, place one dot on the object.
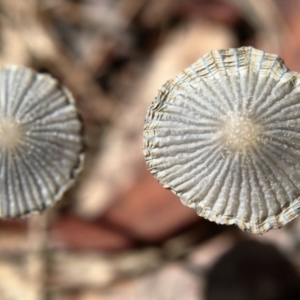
(118, 234)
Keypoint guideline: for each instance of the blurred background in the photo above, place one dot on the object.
(117, 234)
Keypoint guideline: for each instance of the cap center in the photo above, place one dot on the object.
(239, 132)
(10, 134)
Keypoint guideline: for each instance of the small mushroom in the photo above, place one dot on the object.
(224, 135)
(41, 149)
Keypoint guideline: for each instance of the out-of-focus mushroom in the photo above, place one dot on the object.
(224, 135)
(41, 149)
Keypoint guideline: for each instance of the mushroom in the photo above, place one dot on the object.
(224, 135)
(41, 149)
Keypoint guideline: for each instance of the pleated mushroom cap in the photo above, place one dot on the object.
(41, 149)
(224, 135)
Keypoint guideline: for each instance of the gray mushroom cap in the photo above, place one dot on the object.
(224, 135)
(41, 149)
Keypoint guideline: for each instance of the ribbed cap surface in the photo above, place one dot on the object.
(224, 135)
(41, 148)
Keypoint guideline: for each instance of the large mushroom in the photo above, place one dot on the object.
(224, 135)
(41, 148)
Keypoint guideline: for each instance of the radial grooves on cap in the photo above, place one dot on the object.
(255, 185)
(30, 194)
(48, 155)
